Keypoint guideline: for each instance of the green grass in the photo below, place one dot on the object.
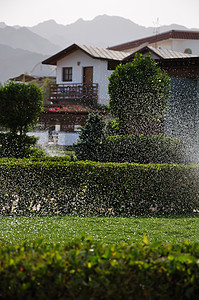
(111, 230)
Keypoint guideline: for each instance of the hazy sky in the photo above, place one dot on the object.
(142, 12)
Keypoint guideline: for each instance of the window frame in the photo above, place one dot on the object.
(67, 76)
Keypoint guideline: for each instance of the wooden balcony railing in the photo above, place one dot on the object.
(73, 93)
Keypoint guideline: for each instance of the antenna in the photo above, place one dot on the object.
(156, 29)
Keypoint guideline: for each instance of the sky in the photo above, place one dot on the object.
(143, 12)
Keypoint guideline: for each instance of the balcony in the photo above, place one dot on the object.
(73, 93)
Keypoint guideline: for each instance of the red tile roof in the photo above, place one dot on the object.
(173, 34)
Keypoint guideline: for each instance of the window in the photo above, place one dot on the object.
(112, 64)
(67, 74)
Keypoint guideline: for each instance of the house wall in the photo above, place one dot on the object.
(178, 45)
(62, 138)
(67, 138)
(167, 44)
(42, 135)
(181, 45)
(100, 72)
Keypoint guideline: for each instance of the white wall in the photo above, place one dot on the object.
(179, 45)
(100, 72)
(42, 135)
(67, 138)
(64, 138)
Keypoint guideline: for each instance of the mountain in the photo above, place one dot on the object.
(14, 62)
(102, 31)
(2, 25)
(25, 39)
(23, 48)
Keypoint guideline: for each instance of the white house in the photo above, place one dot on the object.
(82, 80)
(178, 40)
(81, 87)
(86, 65)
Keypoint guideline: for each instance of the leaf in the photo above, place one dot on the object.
(145, 240)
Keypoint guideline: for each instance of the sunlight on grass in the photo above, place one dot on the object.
(110, 230)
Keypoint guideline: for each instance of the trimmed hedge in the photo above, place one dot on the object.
(52, 158)
(143, 149)
(90, 270)
(18, 146)
(90, 188)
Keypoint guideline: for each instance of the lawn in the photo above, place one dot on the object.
(110, 230)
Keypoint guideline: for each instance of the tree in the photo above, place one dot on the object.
(46, 90)
(88, 146)
(138, 94)
(20, 106)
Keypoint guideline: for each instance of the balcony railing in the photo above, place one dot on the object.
(73, 93)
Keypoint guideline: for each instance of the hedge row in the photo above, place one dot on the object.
(14, 145)
(143, 149)
(63, 187)
(89, 270)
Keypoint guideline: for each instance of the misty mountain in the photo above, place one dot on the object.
(14, 62)
(23, 48)
(25, 39)
(102, 31)
(2, 25)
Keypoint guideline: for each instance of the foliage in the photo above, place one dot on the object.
(143, 149)
(46, 90)
(86, 269)
(90, 138)
(19, 146)
(90, 188)
(113, 127)
(52, 158)
(138, 92)
(20, 106)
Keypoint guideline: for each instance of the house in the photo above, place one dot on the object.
(182, 118)
(81, 88)
(178, 40)
(82, 81)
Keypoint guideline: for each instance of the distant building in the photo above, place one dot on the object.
(177, 40)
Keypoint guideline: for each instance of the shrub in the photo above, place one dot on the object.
(52, 158)
(19, 146)
(143, 149)
(138, 94)
(90, 270)
(20, 106)
(90, 138)
(89, 188)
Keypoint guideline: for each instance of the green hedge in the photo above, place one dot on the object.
(142, 149)
(63, 187)
(90, 270)
(18, 146)
(52, 158)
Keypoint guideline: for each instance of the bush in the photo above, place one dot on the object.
(19, 146)
(90, 139)
(20, 106)
(138, 94)
(143, 149)
(91, 270)
(52, 158)
(85, 188)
